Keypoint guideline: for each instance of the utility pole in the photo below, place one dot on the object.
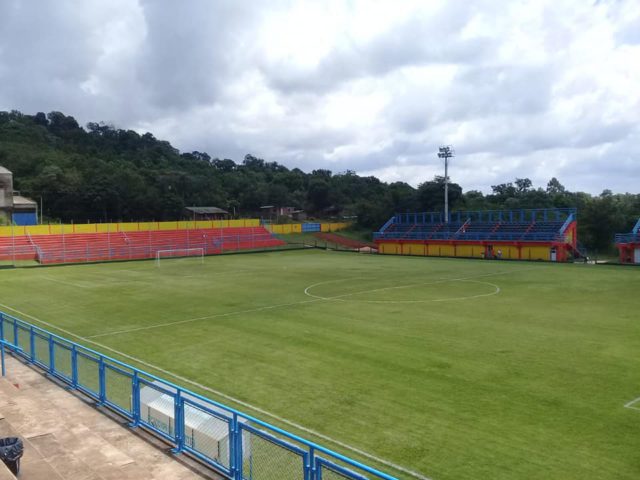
(446, 152)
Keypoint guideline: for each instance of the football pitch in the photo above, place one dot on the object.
(447, 368)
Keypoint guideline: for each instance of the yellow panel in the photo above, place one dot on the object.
(414, 249)
(84, 228)
(37, 230)
(510, 252)
(128, 227)
(202, 224)
(167, 225)
(253, 222)
(390, 248)
(447, 251)
(12, 231)
(325, 227)
(535, 253)
(296, 228)
(464, 251)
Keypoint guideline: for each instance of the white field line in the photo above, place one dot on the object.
(369, 456)
(302, 302)
(189, 320)
(395, 287)
(632, 403)
(62, 282)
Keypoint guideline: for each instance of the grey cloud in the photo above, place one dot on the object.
(192, 49)
(195, 74)
(418, 41)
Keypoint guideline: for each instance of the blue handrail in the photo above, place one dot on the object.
(12, 328)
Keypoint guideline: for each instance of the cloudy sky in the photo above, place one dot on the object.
(519, 88)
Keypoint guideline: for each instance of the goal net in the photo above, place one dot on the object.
(180, 253)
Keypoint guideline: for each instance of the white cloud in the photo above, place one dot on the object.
(527, 89)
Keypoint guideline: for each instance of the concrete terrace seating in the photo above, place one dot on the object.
(16, 248)
(67, 438)
(88, 247)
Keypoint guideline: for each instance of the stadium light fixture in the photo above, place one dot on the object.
(446, 152)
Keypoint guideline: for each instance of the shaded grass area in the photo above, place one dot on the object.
(457, 369)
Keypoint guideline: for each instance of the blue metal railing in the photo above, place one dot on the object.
(520, 215)
(636, 228)
(628, 238)
(473, 236)
(245, 444)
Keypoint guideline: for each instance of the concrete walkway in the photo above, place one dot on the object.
(67, 437)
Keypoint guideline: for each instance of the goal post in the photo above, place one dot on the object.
(179, 253)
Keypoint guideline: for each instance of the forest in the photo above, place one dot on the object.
(101, 173)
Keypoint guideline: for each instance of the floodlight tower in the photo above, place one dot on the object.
(446, 152)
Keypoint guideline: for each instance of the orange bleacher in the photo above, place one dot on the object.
(92, 247)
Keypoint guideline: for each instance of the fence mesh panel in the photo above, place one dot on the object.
(62, 359)
(7, 329)
(118, 388)
(88, 373)
(206, 434)
(263, 459)
(334, 469)
(22, 339)
(329, 474)
(157, 408)
(41, 345)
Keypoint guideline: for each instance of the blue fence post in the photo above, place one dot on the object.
(32, 344)
(232, 445)
(102, 377)
(52, 357)
(135, 400)
(310, 468)
(1, 326)
(178, 422)
(4, 370)
(74, 366)
(15, 334)
(238, 448)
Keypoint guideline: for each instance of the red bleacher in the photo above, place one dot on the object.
(92, 247)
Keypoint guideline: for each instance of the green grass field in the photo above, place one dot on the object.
(456, 369)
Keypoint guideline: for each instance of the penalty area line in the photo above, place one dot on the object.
(631, 404)
(242, 403)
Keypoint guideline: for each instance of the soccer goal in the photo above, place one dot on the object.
(179, 253)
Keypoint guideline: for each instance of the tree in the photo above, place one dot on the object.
(430, 195)
(523, 185)
(554, 187)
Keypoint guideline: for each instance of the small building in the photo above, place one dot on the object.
(273, 213)
(206, 213)
(629, 245)
(25, 211)
(14, 208)
(6, 195)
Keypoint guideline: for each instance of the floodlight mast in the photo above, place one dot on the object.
(446, 152)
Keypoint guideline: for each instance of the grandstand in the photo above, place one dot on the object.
(536, 234)
(125, 245)
(629, 245)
